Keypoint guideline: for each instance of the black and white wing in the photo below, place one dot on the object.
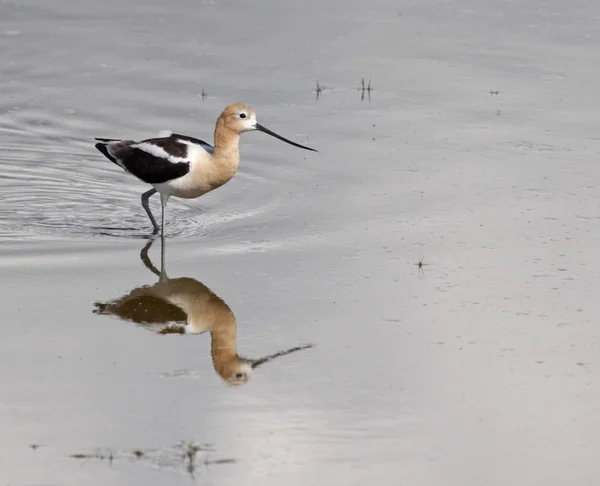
(155, 160)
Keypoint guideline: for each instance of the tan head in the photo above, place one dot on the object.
(240, 118)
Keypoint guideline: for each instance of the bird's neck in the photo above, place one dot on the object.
(227, 151)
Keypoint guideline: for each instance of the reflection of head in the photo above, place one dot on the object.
(236, 371)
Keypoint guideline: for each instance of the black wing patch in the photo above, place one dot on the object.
(152, 169)
(143, 165)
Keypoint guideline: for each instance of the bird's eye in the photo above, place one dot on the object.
(242, 115)
(239, 376)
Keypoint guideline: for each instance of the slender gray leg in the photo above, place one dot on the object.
(146, 206)
(163, 253)
(163, 237)
(164, 204)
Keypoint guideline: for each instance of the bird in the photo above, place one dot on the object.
(182, 166)
(184, 305)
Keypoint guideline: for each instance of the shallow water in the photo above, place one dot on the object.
(475, 153)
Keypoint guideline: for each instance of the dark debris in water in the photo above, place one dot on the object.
(222, 461)
(98, 455)
(319, 89)
(184, 456)
(365, 88)
(421, 264)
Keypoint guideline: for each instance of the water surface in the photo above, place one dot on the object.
(476, 153)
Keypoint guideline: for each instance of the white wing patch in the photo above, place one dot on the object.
(164, 134)
(193, 148)
(194, 151)
(160, 152)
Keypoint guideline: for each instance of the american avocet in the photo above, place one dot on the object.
(182, 166)
(186, 306)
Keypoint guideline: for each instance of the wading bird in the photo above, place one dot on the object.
(182, 166)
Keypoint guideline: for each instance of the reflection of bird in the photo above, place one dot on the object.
(186, 306)
(182, 166)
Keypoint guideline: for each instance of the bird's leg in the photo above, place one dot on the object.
(163, 237)
(146, 207)
(163, 200)
(163, 252)
(163, 249)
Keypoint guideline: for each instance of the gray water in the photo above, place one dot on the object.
(475, 153)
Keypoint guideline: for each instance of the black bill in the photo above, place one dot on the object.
(273, 134)
(257, 362)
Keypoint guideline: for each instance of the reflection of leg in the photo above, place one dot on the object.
(146, 207)
(146, 259)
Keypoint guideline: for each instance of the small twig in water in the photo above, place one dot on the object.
(420, 264)
(96, 455)
(365, 88)
(319, 89)
(190, 454)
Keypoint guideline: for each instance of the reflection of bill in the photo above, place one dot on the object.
(186, 306)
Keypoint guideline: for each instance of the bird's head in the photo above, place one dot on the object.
(240, 118)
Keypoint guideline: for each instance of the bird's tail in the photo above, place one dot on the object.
(101, 146)
(112, 147)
